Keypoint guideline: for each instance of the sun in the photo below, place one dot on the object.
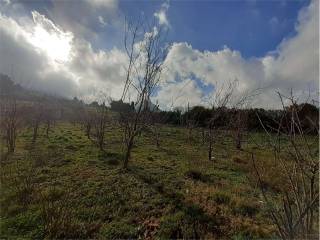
(48, 38)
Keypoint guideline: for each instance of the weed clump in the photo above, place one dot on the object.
(57, 215)
(245, 208)
(171, 227)
(119, 230)
(221, 197)
(196, 175)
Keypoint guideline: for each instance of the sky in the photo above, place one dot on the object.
(75, 48)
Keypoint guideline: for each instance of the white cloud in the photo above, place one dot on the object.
(173, 94)
(85, 72)
(294, 65)
(102, 21)
(212, 68)
(103, 3)
(161, 15)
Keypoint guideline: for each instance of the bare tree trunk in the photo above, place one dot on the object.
(238, 140)
(157, 137)
(210, 149)
(100, 124)
(48, 129)
(11, 138)
(128, 154)
(9, 122)
(203, 135)
(189, 132)
(88, 130)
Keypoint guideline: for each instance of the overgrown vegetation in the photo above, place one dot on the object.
(66, 187)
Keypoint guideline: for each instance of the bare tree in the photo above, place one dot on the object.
(87, 122)
(296, 212)
(49, 119)
(190, 123)
(219, 101)
(156, 119)
(238, 125)
(36, 118)
(99, 123)
(85, 118)
(10, 121)
(146, 51)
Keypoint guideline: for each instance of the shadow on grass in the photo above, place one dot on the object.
(195, 217)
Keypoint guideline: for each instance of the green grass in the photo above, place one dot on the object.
(168, 192)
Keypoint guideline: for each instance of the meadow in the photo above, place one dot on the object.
(63, 186)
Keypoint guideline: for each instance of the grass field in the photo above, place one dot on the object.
(64, 187)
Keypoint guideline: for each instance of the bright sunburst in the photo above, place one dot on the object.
(50, 39)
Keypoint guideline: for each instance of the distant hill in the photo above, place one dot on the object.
(9, 88)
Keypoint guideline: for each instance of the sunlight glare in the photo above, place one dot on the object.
(56, 45)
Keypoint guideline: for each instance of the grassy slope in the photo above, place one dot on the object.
(71, 189)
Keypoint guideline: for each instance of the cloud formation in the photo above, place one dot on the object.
(161, 15)
(293, 65)
(44, 57)
(56, 56)
(84, 18)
